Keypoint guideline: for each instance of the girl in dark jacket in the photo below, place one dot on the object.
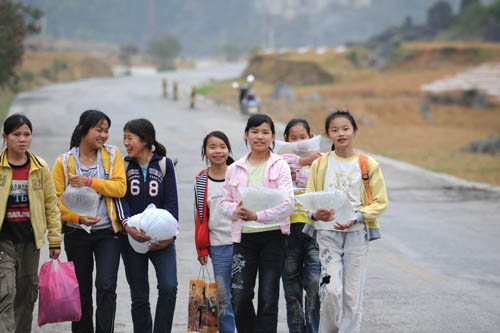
(150, 179)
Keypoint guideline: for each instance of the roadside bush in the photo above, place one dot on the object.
(163, 51)
(16, 22)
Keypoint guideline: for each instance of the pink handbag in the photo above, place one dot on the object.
(59, 295)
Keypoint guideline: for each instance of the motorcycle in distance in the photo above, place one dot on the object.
(249, 100)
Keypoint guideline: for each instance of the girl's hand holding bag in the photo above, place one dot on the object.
(59, 295)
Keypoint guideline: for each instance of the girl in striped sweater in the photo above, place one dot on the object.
(213, 230)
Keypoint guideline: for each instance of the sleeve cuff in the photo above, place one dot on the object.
(359, 217)
(202, 252)
(96, 184)
(74, 218)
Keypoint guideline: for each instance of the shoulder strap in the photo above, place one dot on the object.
(317, 170)
(163, 166)
(365, 175)
(201, 193)
(64, 160)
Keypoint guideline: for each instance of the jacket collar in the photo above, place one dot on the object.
(242, 162)
(156, 157)
(34, 162)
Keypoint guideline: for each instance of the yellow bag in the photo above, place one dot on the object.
(203, 305)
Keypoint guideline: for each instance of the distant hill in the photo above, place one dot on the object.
(473, 22)
(209, 27)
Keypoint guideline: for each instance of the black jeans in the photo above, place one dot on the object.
(301, 272)
(263, 252)
(81, 248)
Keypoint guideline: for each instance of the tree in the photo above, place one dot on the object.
(16, 22)
(466, 3)
(231, 52)
(126, 54)
(440, 16)
(164, 50)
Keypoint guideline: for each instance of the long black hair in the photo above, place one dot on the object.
(294, 122)
(336, 114)
(219, 135)
(145, 130)
(88, 119)
(15, 121)
(258, 119)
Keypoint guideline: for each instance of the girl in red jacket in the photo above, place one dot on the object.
(213, 230)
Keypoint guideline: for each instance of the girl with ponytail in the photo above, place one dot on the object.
(150, 179)
(91, 162)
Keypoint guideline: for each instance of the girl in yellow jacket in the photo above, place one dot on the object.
(343, 249)
(92, 163)
(28, 207)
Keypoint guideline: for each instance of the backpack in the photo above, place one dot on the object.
(365, 174)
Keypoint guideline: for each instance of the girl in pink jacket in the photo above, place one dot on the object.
(259, 237)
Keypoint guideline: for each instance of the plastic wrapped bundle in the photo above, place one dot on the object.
(81, 200)
(302, 148)
(335, 199)
(157, 223)
(261, 198)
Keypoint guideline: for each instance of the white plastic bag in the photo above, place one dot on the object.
(261, 198)
(302, 148)
(81, 200)
(335, 199)
(157, 223)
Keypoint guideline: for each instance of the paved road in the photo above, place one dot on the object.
(436, 268)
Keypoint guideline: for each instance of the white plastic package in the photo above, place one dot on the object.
(302, 148)
(81, 200)
(157, 223)
(335, 199)
(261, 198)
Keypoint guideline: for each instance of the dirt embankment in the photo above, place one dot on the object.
(428, 56)
(45, 67)
(274, 69)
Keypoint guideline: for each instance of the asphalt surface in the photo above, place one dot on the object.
(435, 269)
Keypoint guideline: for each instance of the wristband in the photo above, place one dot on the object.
(312, 217)
(89, 181)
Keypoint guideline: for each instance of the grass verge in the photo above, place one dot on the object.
(6, 99)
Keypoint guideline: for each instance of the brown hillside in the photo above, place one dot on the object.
(47, 67)
(275, 69)
(388, 104)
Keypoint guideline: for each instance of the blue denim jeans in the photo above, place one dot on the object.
(81, 248)
(222, 259)
(136, 270)
(262, 252)
(301, 272)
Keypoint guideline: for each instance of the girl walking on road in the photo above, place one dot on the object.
(91, 162)
(28, 208)
(302, 268)
(213, 233)
(262, 247)
(343, 250)
(150, 179)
